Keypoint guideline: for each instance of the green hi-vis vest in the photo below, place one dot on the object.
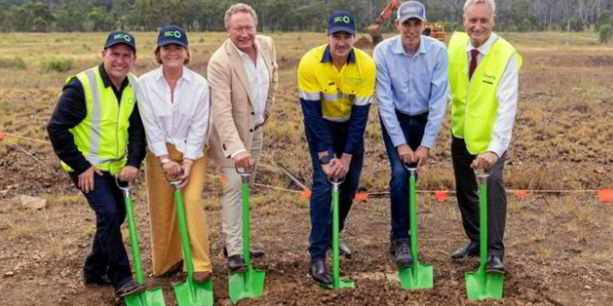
(102, 136)
(474, 104)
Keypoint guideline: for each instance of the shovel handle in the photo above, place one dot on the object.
(125, 187)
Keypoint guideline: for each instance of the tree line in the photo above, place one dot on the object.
(282, 15)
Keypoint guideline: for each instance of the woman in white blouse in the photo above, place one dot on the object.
(174, 106)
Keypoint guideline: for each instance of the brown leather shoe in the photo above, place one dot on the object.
(130, 288)
(174, 269)
(202, 277)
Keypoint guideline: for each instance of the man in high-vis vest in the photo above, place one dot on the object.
(336, 83)
(95, 121)
(483, 75)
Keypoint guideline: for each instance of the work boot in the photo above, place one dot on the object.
(236, 263)
(402, 253)
(343, 248)
(494, 264)
(202, 277)
(470, 250)
(255, 253)
(319, 272)
(130, 288)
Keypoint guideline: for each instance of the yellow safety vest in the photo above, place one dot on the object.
(474, 104)
(102, 136)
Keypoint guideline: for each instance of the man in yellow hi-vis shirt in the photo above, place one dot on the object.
(336, 83)
(483, 75)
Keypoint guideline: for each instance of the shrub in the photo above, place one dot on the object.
(57, 64)
(16, 63)
(605, 33)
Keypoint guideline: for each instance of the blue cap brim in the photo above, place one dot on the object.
(341, 29)
(119, 42)
(168, 42)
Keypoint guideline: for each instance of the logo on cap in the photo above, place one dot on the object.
(411, 10)
(344, 19)
(125, 37)
(176, 34)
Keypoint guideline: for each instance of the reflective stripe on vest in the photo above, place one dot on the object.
(102, 136)
(474, 104)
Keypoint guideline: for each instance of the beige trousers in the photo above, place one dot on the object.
(166, 240)
(231, 210)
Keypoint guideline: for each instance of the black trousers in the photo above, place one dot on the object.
(468, 197)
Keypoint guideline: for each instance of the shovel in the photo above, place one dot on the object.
(248, 284)
(189, 293)
(337, 283)
(419, 276)
(153, 297)
(480, 284)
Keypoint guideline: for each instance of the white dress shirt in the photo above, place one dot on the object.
(506, 95)
(181, 119)
(259, 81)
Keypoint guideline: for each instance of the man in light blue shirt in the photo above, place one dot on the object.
(412, 91)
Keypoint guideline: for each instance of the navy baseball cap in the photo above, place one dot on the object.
(172, 34)
(341, 21)
(411, 9)
(120, 37)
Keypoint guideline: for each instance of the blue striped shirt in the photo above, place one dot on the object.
(412, 85)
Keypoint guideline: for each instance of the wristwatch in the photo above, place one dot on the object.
(324, 160)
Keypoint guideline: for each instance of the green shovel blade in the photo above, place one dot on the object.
(153, 297)
(342, 284)
(417, 277)
(190, 293)
(481, 285)
(246, 285)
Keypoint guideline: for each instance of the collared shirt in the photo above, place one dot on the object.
(412, 84)
(181, 119)
(259, 81)
(506, 95)
(71, 110)
(328, 95)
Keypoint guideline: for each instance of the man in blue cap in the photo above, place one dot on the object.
(336, 83)
(95, 120)
(411, 91)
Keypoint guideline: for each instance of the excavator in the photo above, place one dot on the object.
(435, 30)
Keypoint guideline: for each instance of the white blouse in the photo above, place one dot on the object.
(182, 120)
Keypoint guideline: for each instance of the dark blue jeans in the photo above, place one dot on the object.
(108, 254)
(321, 198)
(413, 129)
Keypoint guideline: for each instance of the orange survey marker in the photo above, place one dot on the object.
(2, 135)
(605, 195)
(361, 196)
(306, 194)
(521, 193)
(441, 195)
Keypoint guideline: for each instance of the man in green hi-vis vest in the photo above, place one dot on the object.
(483, 76)
(95, 121)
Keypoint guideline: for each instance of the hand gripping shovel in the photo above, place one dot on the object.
(481, 285)
(153, 297)
(248, 284)
(189, 293)
(337, 283)
(419, 276)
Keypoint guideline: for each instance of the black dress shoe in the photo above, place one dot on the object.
(343, 249)
(471, 250)
(402, 253)
(319, 272)
(103, 280)
(236, 263)
(494, 264)
(255, 253)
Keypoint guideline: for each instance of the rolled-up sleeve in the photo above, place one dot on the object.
(437, 103)
(507, 96)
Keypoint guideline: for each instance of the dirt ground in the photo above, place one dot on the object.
(558, 245)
